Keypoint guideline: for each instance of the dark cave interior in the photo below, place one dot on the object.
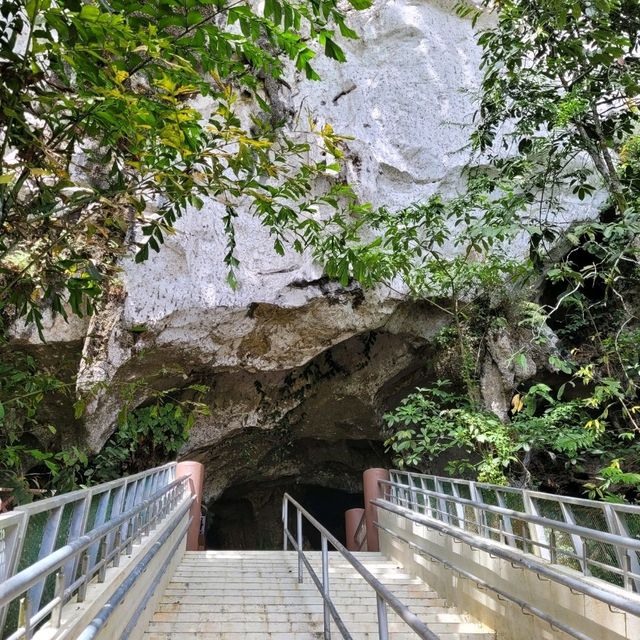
(246, 518)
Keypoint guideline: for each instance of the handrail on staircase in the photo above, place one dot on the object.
(577, 536)
(617, 600)
(77, 536)
(384, 597)
(502, 594)
(545, 534)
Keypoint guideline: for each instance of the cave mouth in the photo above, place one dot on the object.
(250, 518)
(327, 506)
(244, 511)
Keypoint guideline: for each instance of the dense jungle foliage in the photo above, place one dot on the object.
(103, 150)
(558, 116)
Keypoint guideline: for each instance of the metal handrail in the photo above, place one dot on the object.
(626, 548)
(582, 502)
(601, 536)
(111, 539)
(69, 516)
(615, 518)
(483, 584)
(384, 596)
(620, 600)
(101, 619)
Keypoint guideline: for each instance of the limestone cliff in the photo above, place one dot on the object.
(293, 360)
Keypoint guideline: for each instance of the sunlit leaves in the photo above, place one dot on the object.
(118, 143)
(118, 117)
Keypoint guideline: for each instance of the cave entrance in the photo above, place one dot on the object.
(327, 506)
(248, 517)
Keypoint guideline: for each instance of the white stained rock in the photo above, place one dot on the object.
(406, 94)
(55, 329)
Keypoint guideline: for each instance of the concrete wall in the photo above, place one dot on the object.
(582, 613)
(76, 616)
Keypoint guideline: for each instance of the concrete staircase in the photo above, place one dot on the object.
(248, 595)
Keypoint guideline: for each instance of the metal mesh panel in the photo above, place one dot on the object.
(488, 496)
(590, 517)
(65, 524)
(472, 525)
(549, 509)
(464, 491)
(597, 553)
(631, 522)
(615, 562)
(513, 501)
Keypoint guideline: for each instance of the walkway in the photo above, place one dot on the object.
(109, 563)
(253, 595)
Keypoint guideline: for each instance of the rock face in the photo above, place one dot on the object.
(300, 369)
(406, 95)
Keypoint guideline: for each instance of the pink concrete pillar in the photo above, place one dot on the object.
(196, 472)
(352, 519)
(372, 491)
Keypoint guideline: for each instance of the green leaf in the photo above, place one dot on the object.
(360, 4)
(332, 50)
(89, 12)
(142, 254)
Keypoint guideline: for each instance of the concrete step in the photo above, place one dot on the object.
(276, 612)
(295, 627)
(311, 635)
(251, 589)
(299, 605)
(231, 595)
(196, 614)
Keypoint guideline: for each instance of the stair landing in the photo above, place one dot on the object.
(253, 595)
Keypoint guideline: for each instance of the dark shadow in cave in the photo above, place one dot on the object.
(324, 476)
(249, 518)
(327, 506)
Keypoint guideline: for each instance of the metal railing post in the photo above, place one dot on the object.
(129, 548)
(84, 570)
(137, 527)
(117, 550)
(24, 617)
(285, 523)
(102, 554)
(553, 549)
(299, 541)
(585, 558)
(383, 623)
(325, 588)
(413, 500)
(56, 614)
(627, 570)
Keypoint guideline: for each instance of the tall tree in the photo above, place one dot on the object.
(99, 132)
(558, 116)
